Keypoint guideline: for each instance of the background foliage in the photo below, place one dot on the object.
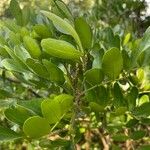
(74, 80)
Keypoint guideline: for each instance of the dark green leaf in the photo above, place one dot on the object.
(112, 63)
(8, 134)
(84, 32)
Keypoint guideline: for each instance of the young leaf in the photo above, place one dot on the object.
(32, 46)
(112, 63)
(42, 31)
(36, 127)
(84, 32)
(63, 26)
(8, 134)
(60, 49)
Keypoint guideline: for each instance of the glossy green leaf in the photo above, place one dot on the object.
(60, 49)
(54, 109)
(112, 63)
(84, 32)
(17, 114)
(56, 75)
(63, 26)
(32, 46)
(7, 134)
(94, 76)
(36, 127)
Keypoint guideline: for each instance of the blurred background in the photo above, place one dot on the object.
(131, 15)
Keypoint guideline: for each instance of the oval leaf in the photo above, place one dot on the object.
(112, 63)
(60, 49)
(36, 127)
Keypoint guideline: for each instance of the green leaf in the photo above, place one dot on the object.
(33, 105)
(54, 109)
(142, 111)
(18, 61)
(21, 53)
(118, 96)
(126, 60)
(94, 76)
(96, 107)
(84, 32)
(136, 135)
(32, 46)
(36, 127)
(112, 63)
(11, 65)
(145, 42)
(120, 138)
(98, 95)
(63, 26)
(16, 11)
(42, 31)
(52, 144)
(17, 114)
(143, 99)
(131, 98)
(37, 68)
(60, 49)
(131, 123)
(14, 38)
(4, 94)
(8, 134)
(63, 10)
(25, 15)
(110, 39)
(143, 57)
(56, 75)
(144, 147)
(127, 38)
